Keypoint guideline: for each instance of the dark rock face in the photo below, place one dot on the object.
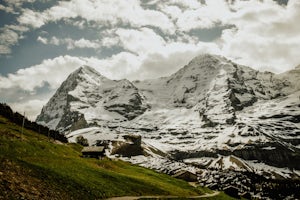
(133, 108)
(250, 185)
(280, 156)
(70, 120)
(79, 123)
(58, 105)
(131, 147)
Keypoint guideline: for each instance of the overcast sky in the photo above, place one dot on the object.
(42, 41)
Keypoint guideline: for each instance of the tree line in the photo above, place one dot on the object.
(17, 118)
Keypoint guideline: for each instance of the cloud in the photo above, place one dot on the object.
(8, 38)
(185, 4)
(42, 40)
(72, 44)
(14, 6)
(266, 35)
(81, 43)
(110, 41)
(118, 66)
(140, 41)
(103, 12)
(32, 18)
(52, 71)
(18, 3)
(189, 15)
(31, 107)
(7, 9)
(175, 56)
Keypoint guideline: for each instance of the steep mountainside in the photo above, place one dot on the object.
(86, 97)
(212, 113)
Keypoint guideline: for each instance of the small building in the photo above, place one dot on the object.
(93, 152)
(186, 175)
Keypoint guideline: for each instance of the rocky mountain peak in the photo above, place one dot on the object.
(203, 59)
(87, 73)
(85, 69)
(87, 97)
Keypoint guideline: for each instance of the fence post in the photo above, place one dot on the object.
(23, 123)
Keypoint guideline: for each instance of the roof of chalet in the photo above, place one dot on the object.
(93, 149)
(182, 172)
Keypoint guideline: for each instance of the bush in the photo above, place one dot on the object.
(81, 140)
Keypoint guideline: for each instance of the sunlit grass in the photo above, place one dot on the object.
(62, 166)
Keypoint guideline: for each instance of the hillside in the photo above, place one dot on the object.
(32, 167)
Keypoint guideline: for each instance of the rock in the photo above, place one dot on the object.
(131, 147)
(231, 191)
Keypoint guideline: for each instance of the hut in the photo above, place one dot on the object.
(93, 152)
(186, 175)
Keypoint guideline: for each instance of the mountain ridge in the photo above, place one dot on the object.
(212, 110)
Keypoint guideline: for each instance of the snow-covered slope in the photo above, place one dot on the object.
(209, 112)
(87, 97)
(292, 78)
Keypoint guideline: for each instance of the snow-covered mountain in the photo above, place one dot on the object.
(212, 113)
(88, 98)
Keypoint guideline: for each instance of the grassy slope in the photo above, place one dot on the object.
(32, 167)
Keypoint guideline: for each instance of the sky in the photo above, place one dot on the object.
(43, 41)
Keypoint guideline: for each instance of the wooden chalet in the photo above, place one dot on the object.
(93, 152)
(186, 175)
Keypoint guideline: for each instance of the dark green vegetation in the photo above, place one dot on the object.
(19, 119)
(32, 167)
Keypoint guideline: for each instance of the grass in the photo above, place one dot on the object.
(34, 167)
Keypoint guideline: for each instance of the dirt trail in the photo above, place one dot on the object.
(163, 197)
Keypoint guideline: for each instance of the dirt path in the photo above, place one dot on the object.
(163, 197)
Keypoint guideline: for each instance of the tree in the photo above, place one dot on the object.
(81, 140)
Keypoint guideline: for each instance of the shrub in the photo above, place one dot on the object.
(81, 140)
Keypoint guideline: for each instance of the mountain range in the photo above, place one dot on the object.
(212, 114)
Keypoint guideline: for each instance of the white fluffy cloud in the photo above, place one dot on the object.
(110, 12)
(170, 58)
(140, 41)
(266, 35)
(42, 40)
(7, 9)
(52, 71)
(31, 107)
(70, 43)
(81, 43)
(206, 16)
(10, 36)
